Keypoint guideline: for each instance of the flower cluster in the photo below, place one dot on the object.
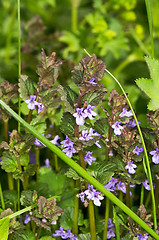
(126, 113)
(155, 155)
(88, 158)
(115, 184)
(117, 128)
(110, 232)
(138, 150)
(64, 235)
(32, 103)
(147, 185)
(81, 114)
(91, 194)
(67, 144)
(38, 143)
(143, 237)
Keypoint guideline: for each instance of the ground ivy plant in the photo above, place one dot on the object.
(103, 176)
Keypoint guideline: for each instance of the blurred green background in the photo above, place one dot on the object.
(115, 30)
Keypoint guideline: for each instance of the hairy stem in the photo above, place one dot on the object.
(92, 220)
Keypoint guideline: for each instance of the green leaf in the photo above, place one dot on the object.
(10, 196)
(9, 161)
(26, 198)
(67, 219)
(24, 159)
(4, 228)
(147, 85)
(46, 238)
(67, 124)
(69, 97)
(84, 236)
(153, 65)
(153, 104)
(26, 87)
(57, 183)
(77, 74)
(50, 97)
(101, 126)
(94, 98)
(25, 234)
(72, 174)
(39, 123)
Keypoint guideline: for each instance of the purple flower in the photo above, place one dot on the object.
(137, 150)
(85, 136)
(96, 198)
(64, 235)
(32, 103)
(59, 233)
(111, 184)
(110, 153)
(90, 192)
(69, 151)
(40, 107)
(54, 141)
(155, 157)
(80, 116)
(117, 128)
(91, 81)
(47, 163)
(143, 237)
(89, 113)
(97, 144)
(82, 196)
(130, 166)
(88, 158)
(27, 219)
(126, 113)
(121, 186)
(132, 123)
(38, 143)
(147, 185)
(110, 224)
(110, 233)
(66, 143)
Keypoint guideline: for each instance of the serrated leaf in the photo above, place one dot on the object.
(95, 97)
(153, 65)
(147, 85)
(11, 196)
(69, 97)
(72, 174)
(153, 104)
(46, 238)
(9, 161)
(26, 198)
(4, 228)
(39, 123)
(67, 219)
(67, 124)
(77, 74)
(26, 87)
(50, 97)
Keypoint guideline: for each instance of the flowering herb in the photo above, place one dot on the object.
(92, 81)
(155, 155)
(117, 128)
(80, 116)
(88, 158)
(32, 103)
(138, 150)
(126, 113)
(130, 166)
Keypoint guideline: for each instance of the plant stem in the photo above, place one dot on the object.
(18, 190)
(76, 210)
(149, 15)
(19, 61)
(142, 195)
(2, 199)
(56, 162)
(10, 181)
(156, 191)
(6, 130)
(37, 161)
(128, 202)
(106, 218)
(92, 220)
(75, 5)
(38, 233)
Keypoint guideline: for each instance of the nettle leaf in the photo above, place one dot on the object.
(72, 174)
(26, 198)
(151, 86)
(77, 73)
(8, 91)
(24, 234)
(94, 98)
(4, 228)
(101, 126)
(26, 87)
(67, 124)
(9, 161)
(50, 97)
(69, 97)
(67, 219)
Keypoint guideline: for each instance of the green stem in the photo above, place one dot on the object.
(116, 224)
(76, 211)
(19, 61)
(156, 192)
(6, 130)
(92, 220)
(38, 233)
(128, 201)
(149, 15)
(56, 163)
(145, 151)
(10, 181)
(142, 195)
(107, 207)
(81, 172)
(2, 199)
(37, 161)
(18, 190)
(75, 5)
